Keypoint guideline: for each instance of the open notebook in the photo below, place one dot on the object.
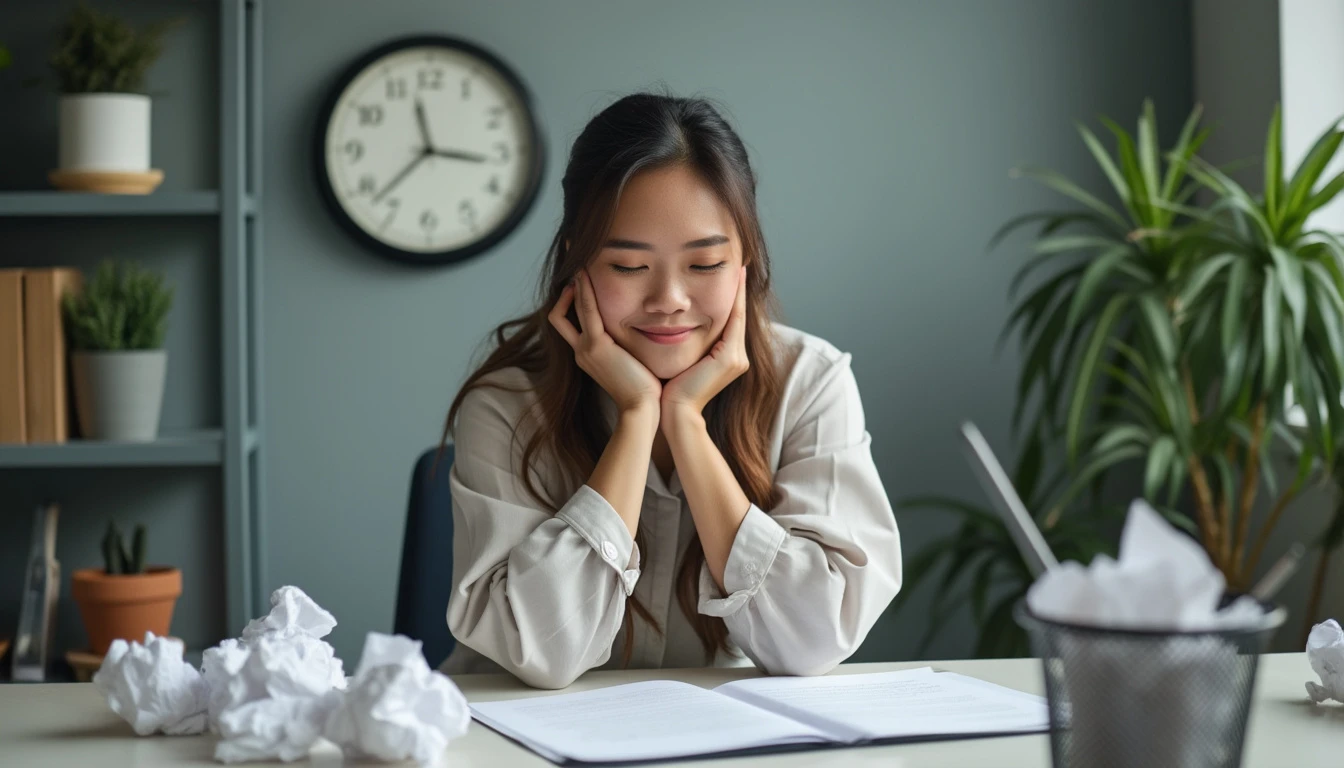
(662, 719)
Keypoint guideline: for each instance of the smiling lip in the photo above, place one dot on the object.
(667, 335)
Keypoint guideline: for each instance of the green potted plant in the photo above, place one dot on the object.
(125, 598)
(100, 63)
(1165, 335)
(1176, 336)
(116, 328)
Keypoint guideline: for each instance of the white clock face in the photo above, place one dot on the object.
(429, 149)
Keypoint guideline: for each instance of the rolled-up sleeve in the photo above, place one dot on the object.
(807, 580)
(542, 595)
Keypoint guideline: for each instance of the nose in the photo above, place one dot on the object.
(667, 295)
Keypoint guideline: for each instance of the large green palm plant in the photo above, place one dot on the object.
(1181, 338)
(1165, 334)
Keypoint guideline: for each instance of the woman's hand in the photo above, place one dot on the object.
(694, 387)
(627, 380)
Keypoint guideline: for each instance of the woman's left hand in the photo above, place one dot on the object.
(694, 387)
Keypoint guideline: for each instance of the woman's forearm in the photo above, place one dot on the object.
(717, 502)
(621, 473)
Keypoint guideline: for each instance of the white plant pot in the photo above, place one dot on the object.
(104, 132)
(119, 395)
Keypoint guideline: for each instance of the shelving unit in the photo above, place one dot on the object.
(231, 452)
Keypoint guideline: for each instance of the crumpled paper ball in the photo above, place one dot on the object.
(397, 707)
(1325, 651)
(1162, 579)
(152, 688)
(270, 692)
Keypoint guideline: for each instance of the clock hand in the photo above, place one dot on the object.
(404, 171)
(424, 125)
(453, 154)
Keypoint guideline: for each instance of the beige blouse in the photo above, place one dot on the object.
(543, 595)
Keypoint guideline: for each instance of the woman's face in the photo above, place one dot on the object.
(666, 278)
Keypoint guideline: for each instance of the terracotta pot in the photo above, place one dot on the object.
(125, 606)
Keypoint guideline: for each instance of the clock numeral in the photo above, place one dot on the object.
(493, 186)
(429, 79)
(501, 152)
(366, 184)
(391, 214)
(429, 221)
(396, 88)
(496, 115)
(466, 211)
(354, 149)
(466, 88)
(370, 115)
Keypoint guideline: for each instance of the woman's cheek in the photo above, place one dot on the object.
(725, 293)
(607, 303)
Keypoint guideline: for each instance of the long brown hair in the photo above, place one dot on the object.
(640, 132)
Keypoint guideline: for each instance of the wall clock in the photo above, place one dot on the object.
(428, 150)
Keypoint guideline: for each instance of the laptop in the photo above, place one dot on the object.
(1000, 489)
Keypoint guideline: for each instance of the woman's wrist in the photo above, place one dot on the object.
(678, 421)
(643, 417)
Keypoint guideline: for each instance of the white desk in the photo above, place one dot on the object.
(69, 725)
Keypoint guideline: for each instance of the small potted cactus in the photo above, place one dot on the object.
(125, 598)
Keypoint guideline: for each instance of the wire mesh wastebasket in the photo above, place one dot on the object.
(1124, 698)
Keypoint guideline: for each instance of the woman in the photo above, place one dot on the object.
(699, 488)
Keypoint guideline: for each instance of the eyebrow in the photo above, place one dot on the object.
(635, 245)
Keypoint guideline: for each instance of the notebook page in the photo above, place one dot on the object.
(891, 705)
(639, 721)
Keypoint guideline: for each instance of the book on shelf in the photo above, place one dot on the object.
(667, 719)
(13, 416)
(46, 368)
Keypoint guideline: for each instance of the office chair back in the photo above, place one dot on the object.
(427, 559)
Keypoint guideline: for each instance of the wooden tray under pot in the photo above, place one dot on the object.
(107, 182)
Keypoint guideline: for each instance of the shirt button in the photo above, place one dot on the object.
(609, 551)
(752, 578)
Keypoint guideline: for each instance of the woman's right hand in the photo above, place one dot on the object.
(629, 383)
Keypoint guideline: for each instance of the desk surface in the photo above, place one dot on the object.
(69, 724)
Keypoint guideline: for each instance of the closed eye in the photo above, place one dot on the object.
(704, 268)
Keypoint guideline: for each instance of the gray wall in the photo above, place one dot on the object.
(882, 132)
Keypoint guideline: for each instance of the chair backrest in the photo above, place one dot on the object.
(427, 559)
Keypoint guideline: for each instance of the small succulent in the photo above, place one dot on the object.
(117, 559)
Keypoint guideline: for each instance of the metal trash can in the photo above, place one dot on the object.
(1130, 698)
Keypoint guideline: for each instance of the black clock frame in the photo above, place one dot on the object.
(527, 195)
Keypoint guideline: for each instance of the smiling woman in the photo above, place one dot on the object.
(647, 435)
